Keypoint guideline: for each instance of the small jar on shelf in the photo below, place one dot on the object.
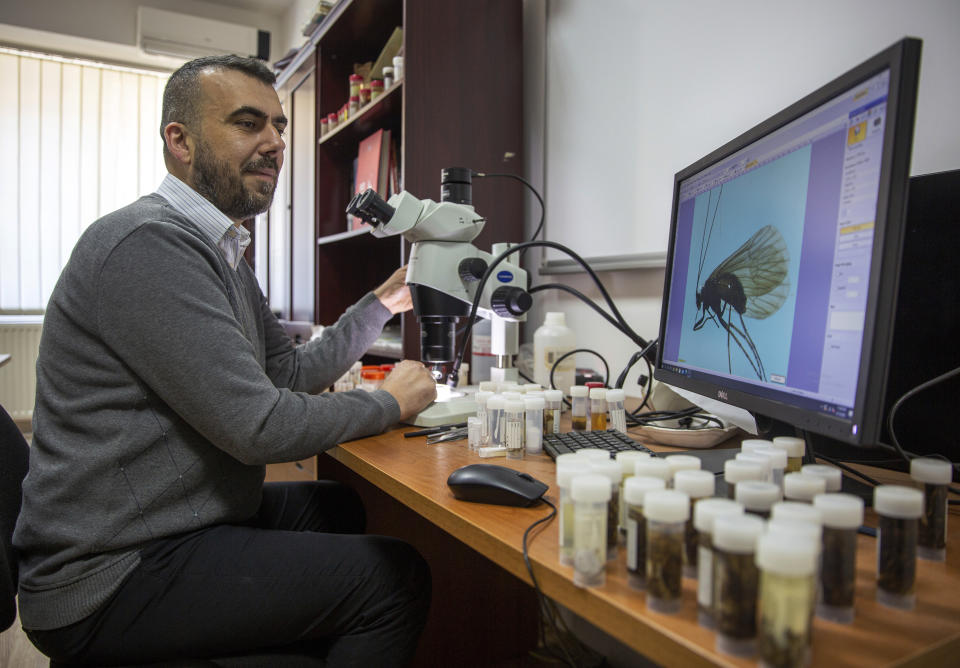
(324, 125)
(376, 89)
(354, 106)
(364, 94)
(355, 81)
(387, 77)
(332, 121)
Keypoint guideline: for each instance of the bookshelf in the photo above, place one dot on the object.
(459, 103)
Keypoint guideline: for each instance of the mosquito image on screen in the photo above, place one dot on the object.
(751, 282)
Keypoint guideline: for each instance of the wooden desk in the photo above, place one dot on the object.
(415, 474)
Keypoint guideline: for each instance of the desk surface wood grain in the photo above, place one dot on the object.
(415, 474)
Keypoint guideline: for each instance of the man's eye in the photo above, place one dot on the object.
(246, 124)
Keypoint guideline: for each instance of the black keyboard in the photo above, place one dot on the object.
(610, 440)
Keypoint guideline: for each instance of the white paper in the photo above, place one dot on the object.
(729, 414)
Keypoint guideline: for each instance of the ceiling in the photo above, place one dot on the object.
(272, 7)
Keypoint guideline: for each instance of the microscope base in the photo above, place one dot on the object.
(451, 411)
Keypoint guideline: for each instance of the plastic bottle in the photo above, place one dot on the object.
(697, 485)
(758, 497)
(513, 428)
(653, 467)
(682, 463)
(635, 490)
(735, 471)
(934, 477)
(551, 411)
(795, 447)
(627, 461)
(803, 487)
(735, 582)
(842, 516)
(704, 514)
(590, 494)
(787, 567)
(598, 409)
(552, 340)
(533, 434)
(568, 467)
(578, 408)
(482, 396)
(666, 511)
(618, 417)
(898, 511)
(778, 463)
(611, 470)
(832, 476)
(495, 405)
(763, 461)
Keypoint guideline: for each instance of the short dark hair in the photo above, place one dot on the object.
(181, 99)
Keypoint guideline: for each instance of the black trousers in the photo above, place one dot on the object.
(298, 585)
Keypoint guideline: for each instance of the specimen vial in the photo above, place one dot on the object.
(736, 470)
(495, 405)
(635, 490)
(568, 467)
(787, 566)
(627, 461)
(751, 444)
(667, 512)
(778, 463)
(551, 412)
(531, 387)
(513, 428)
(704, 514)
(764, 462)
(618, 417)
(598, 409)
(611, 470)
(735, 582)
(758, 497)
(654, 467)
(578, 407)
(474, 433)
(590, 493)
(802, 487)
(899, 510)
(533, 436)
(794, 447)
(697, 485)
(796, 511)
(842, 516)
(934, 477)
(482, 396)
(832, 476)
(681, 463)
(593, 453)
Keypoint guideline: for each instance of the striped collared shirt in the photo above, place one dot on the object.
(231, 239)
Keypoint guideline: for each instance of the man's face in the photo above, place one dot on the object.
(238, 148)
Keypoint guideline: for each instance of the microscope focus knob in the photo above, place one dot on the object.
(472, 269)
(509, 301)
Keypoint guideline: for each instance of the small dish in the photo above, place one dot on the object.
(698, 435)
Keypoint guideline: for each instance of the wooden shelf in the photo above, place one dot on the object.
(368, 119)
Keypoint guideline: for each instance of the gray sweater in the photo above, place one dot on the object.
(164, 387)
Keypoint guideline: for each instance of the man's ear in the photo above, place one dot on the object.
(180, 143)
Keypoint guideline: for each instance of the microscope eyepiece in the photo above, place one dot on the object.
(370, 207)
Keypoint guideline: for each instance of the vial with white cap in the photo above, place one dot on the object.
(578, 407)
(533, 435)
(842, 516)
(513, 428)
(654, 467)
(934, 477)
(618, 416)
(627, 461)
(735, 582)
(666, 511)
(832, 476)
(590, 493)
(593, 453)
(635, 490)
(751, 444)
(527, 388)
(812, 533)
(778, 463)
(482, 396)
(795, 447)
(598, 409)
(787, 565)
(474, 433)
(569, 466)
(802, 487)
(551, 412)
(610, 470)
(495, 405)
(898, 511)
(764, 462)
(736, 470)
(697, 485)
(681, 463)
(704, 515)
(796, 511)
(757, 497)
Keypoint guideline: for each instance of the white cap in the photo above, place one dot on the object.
(482, 396)
(555, 318)
(737, 470)
(510, 385)
(757, 495)
(531, 387)
(707, 510)
(696, 483)
(615, 396)
(496, 402)
(737, 533)
(803, 486)
(830, 474)
(598, 393)
(667, 505)
(794, 511)
(653, 467)
(812, 533)
(787, 555)
(513, 394)
(635, 489)
(898, 501)
(794, 446)
(763, 462)
(628, 458)
(593, 453)
(553, 395)
(751, 444)
(570, 467)
(514, 405)
(579, 390)
(591, 488)
(777, 457)
(608, 469)
(534, 403)
(488, 386)
(840, 511)
(929, 470)
(683, 462)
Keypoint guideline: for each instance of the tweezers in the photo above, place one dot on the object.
(451, 435)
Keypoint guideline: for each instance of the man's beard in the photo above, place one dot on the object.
(216, 181)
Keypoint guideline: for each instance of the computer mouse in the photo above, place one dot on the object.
(499, 485)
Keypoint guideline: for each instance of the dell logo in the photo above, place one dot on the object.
(722, 395)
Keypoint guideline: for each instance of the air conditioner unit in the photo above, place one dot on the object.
(182, 36)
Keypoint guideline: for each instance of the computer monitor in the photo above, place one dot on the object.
(784, 257)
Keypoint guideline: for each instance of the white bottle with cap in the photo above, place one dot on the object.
(842, 516)
(898, 517)
(552, 340)
(590, 493)
(934, 477)
(635, 489)
(667, 512)
(735, 583)
(704, 514)
(697, 485)
(803, 487)
(832, 476)
(787, 565)
(795, 447)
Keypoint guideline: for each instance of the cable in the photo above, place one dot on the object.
(848, 469)
(543, 208)
(899, 402)
(576, 293)
(556, 362)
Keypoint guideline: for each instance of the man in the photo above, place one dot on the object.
(164, 385)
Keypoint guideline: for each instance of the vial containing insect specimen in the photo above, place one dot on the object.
(735, 582)
(934, 477)
(495, 405)
(527, 388)
(482, 396)
(899, 510)
(551, 411)
(735, 471)
(802, 487)
(796, 511)
(681, 463)
(842, 516)
(751, 444)
(654, 467)
(627, 461)
(762, 461)
(593, 453)
(590, 493)
(598, 409)
(513, 428)
(533, 435)
(704, 514)
(794, 447)
(698, 485)
(611, 470)
(667, 512)
(618, 417)
(757, 497)
(635, 490)
(778, 463)
(832, 476)
(568, 467)
(474, 433)
(578, 407)
(786, 565)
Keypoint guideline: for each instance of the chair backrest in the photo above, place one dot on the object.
(14, 459)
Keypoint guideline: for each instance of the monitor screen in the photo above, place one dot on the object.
(784, 253)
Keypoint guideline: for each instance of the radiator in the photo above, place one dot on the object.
(18, 379)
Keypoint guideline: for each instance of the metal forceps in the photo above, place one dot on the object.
(457, 434)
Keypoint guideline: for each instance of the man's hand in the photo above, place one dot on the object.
(394, 293)
(412, 386)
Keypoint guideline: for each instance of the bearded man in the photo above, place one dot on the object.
(164, 386)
